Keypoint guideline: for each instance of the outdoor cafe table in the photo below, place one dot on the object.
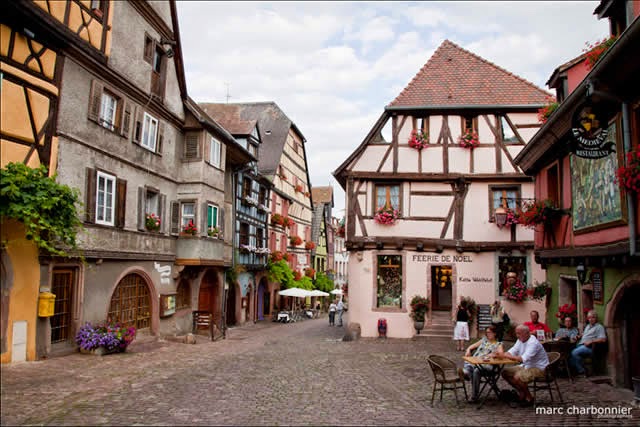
(491, 373)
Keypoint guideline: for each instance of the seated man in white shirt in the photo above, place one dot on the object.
(533, 358)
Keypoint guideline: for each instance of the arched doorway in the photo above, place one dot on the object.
(231, 306)
(623, 319)
(209, 296)
(131, 303)
(264, 299)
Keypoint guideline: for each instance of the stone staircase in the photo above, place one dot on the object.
(439, 326)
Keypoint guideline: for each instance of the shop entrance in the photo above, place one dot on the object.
(441, 287)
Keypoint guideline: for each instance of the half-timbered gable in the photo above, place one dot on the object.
(413, 185)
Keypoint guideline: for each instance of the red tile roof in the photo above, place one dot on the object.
(322, 194)
(454, 76)
(228, 115)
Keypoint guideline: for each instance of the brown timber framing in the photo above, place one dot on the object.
(497, 135)
(358, 211)
(439, 177)
(432, 245)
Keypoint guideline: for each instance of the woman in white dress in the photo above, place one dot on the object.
(461, 330)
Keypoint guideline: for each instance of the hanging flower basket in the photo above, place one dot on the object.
(628, 177)
(386, 216)
(419, 140)
(295, 240)
(277, 219)
(287, 222)
(469, 139)
(309, 246)
(539, 212)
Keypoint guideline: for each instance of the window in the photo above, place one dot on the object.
(508, 135)
(191, 146)
(260, 243)
(262, 196)
(105, 199)
(247, 185)
(158, 53)
(469, 123)
(506, 264)
(187, 214)
(149, 132)
(389, 281)
(214, 154)
(158, 72)
(212, 217)
(506, 197)
(387, 196)
(108, 110)
(148, 48)
(152, 202)
(131, 303)
(244, 233)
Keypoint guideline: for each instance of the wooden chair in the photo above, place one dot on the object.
(597, 363)
(447, 375)
(548, 379)
(203, 320)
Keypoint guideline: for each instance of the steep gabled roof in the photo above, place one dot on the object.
(273, 125)
(322, 195)
(454, 76)
(228, 115)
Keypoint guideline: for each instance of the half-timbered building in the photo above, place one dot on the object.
(591, 256)
(252, 194)
(421, 203)
(322, 251)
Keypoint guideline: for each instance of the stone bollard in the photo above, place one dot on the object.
(353, 332)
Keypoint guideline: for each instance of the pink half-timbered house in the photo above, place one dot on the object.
(421, 203)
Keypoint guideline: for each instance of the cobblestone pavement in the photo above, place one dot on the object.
(270, 374)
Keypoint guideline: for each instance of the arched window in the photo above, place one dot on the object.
(131, 303)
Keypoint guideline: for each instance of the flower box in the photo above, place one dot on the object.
(469, 139)
(190, 229)
(386, 216)
(246, 249)
(596, 50)
(309, 246)
(295, 240)
(419, 139)
(545, 112)
(277, 219)
(152, 222)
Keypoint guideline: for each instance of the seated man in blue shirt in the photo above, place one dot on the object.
(533, 358)
(593, 334)
(568, 331)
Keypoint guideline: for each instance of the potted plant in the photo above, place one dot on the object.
(567, 310)
(419, 307)
(298, 188)
(295, 240)
(386, 215)
(309, 272)
(516, 291)
(419, 139)
(152, 222)
(596, 50)
(190, 228)
(277, 219)
(539, 212)
(469, 139)
(104, 338)
(628, 176)
(309, 246)
(287, 222)
(214, 232)
(247, 249)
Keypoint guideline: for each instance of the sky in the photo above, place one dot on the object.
(332, 67)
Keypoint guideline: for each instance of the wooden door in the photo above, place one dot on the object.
(62, 287)
(441, 287)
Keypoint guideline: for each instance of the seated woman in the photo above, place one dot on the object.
(488, 345)
(568, 332)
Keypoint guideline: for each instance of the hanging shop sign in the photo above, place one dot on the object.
(589, 130)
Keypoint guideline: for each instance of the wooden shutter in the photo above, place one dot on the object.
(175, 217)
(221, 219)
(207, 148)
(163, 217)
(160, 137)
(137, 124)
(163, 75)
(95, 100)
(191, 146)
(127, 111)
(149, 48)
(121, 202)
(203, 219)
(141, 208)
(90, 207)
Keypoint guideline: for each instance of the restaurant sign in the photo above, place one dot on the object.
(589, 130)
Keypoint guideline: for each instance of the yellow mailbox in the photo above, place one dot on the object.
(46, 302)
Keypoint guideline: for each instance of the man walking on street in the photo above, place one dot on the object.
(340, 311)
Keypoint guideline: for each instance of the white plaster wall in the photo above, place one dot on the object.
(476, 219)
(506, 164)
(430, 205)
(435, 124)
(407, 159)
(484, 131)
(484, 160)
(475, 275)
(459, 159)
(404, 228)
(370, 158)
(432, 159)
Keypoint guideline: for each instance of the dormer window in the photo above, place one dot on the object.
(469, 123)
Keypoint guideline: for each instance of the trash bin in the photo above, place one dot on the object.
(382, 328)
(46, 304)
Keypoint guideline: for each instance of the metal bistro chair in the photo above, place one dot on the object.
(549, 378)
(447, 375)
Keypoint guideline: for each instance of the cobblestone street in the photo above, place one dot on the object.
(269, 374)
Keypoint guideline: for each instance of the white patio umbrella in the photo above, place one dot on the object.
(336, 292)
(318, 293)
(294, 292)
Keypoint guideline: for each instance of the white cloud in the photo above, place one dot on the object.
(333, 66)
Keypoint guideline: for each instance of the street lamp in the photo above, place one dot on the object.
(500, 216)
(581, 271)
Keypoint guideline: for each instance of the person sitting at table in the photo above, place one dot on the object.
(533, 358)
(568, 332)
(534, 325)
(488, 345)
(594, 333)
